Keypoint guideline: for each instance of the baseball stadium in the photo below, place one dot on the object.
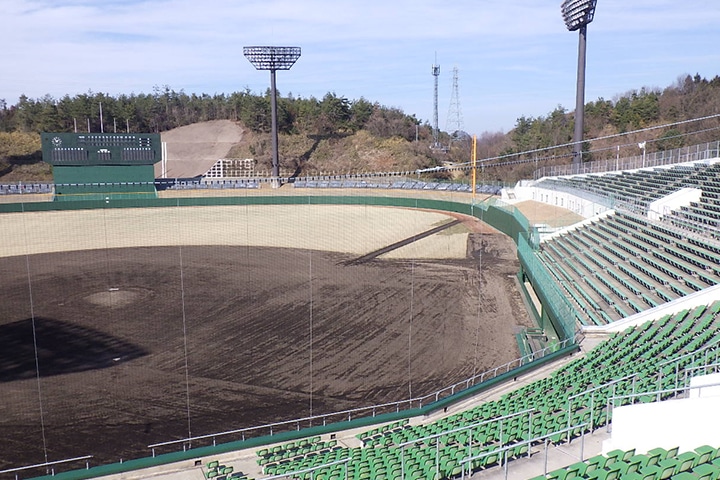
(201, 325)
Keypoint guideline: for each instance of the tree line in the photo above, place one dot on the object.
(165, 108)
(690, 97)
(335, 116)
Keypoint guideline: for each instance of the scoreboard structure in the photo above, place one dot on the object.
(89, 166)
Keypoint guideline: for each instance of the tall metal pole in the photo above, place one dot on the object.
(102, 128)
(577, 14)
(436, 128)
(273, 59)
(474, 164)
(580, 98)
(273, 115)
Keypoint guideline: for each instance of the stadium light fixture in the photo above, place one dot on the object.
(273, 59)
(577, 14)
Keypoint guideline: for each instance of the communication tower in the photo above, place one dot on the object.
(454, 125)
(436, 130)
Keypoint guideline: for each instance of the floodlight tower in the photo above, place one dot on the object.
(436, 128)
(273, 59)
(577, 14)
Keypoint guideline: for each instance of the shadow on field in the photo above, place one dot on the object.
(61, 348)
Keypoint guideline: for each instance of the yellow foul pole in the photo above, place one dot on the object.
(474, 164)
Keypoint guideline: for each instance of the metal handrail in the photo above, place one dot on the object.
(699, 152)
(506, 448)
(373, 409)
(48, 464)
(656, 393)
(311, 469)
(466, 427)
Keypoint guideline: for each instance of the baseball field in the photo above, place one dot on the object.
(121, 328)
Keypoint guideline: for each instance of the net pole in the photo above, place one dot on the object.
(35, 346)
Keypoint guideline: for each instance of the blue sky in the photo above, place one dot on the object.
(514, 57)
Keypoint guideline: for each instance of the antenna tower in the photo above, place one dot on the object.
(436, 129)
(454, 123)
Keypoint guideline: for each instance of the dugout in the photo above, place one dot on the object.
(102, 166)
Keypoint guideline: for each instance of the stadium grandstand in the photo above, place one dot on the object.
(625, 387)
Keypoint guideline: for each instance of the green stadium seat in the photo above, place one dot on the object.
(684, 476)
(663, 470)
(576, 470)
(638, 350)
(619, 455)
(706, 471)
(706, 454)
(658, 452)
(686, 461)
(638, 476)
(604, 474)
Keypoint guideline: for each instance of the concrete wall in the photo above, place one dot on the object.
(703, 297)
(681, 198)
(686, 423)
(585, 206)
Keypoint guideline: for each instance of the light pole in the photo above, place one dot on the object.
(577, 14)
(273, 59)
(642, 145)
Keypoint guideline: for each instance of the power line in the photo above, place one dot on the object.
(605, 137)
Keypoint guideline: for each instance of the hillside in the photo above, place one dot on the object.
(334, 134)
(193, 149)
(20, 158)
(355, 152)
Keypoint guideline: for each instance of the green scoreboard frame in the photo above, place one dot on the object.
(102, 165)
(79, 149)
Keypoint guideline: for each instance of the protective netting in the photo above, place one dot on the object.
(122, 328)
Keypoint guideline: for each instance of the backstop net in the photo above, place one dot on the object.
(127, 323)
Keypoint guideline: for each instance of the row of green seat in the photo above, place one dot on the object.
(641, 359)
(270, 456)
(626, 235)
(703, 463)
(216, 471)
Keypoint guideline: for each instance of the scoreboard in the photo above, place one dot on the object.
(85, 149)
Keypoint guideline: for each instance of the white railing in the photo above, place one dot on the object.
(369, 411)
(50, 466)
(695, 153)
(311, 470)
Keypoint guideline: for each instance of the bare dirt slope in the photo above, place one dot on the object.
(538, 212)
(193, 149)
